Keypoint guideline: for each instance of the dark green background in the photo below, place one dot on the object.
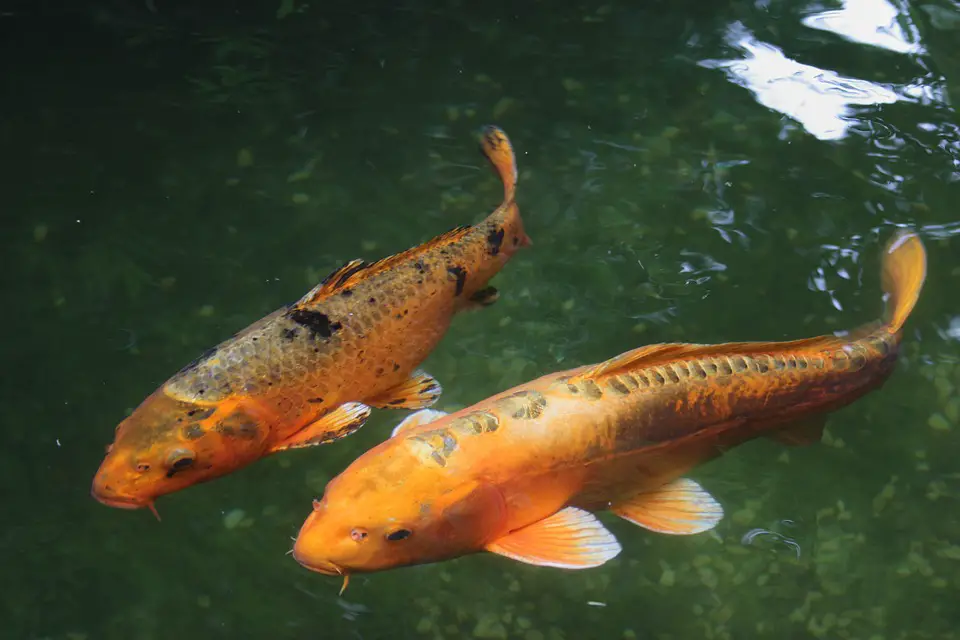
(665, 203)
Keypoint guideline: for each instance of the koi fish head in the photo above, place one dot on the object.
(388, 510)
(166, 445)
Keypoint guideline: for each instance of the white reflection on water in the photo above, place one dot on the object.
(819, 99)
(877, 23)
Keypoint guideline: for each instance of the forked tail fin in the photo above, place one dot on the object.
(904, 270)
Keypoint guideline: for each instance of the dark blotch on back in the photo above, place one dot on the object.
(461, 275)
(317, 322)
(495, 239)
(290, 334)
(618, 386)
(192, 432)
(238, 425)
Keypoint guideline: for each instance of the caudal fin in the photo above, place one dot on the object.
(496, 146)
(904, 270)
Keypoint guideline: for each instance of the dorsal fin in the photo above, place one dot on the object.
(658, 354)
(357, 270)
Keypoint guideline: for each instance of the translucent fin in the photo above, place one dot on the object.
(339, 423)
(417, 392)
(681, 507)
(569, 539)
(424, 416)
(903, 272)
(801, 433)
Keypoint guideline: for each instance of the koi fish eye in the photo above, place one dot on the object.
(143, 467)
(358, 535)
(399, 534)
(178, 460)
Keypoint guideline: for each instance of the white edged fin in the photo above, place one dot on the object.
(569, 539)
(681, 507)
(416, 392)
(339, 423)
(424, 416)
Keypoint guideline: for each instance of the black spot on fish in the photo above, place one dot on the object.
(396, 367)
(592, 391)
(495, 239)
(290, 334)
(346, 293)
(238, 425)
(372, 301)
(461, 275)
(317, 322)
(618, 386)
(419, 266)
(192, 432)
(314, 400)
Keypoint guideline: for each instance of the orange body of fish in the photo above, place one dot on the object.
(308, 373)
(518, 474)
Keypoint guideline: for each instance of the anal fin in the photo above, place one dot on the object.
(801, 432)
(681, 507)
(424, 416)
(569, 539)
(339, 423)
(419, 391)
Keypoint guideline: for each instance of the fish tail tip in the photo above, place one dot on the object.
(904, 272)
(497, 148)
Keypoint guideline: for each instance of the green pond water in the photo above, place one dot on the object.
(705, 172)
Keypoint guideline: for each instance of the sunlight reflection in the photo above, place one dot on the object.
(877, 23)
(820, 100)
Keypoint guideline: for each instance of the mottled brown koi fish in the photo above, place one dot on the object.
(519, 473)
(308, 373)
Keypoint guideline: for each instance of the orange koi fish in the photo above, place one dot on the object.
(308, 373)
(519, 473)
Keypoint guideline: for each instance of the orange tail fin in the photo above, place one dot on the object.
(496, 146)
(904, 270)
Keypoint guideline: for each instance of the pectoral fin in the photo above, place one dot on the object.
(801, 433)
(339, 423)
(681, 507)
(419, 391)
(569, 539)
(423, 416)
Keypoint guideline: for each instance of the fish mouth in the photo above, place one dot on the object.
(105, 495)
(119, 502)
(325, 567)
(303, 557)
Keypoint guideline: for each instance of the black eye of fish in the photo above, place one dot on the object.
(399, 534)
(179, 460)
(182, 463)
(142, 467)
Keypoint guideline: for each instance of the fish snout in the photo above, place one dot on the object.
(107, 493)
(309, 559)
